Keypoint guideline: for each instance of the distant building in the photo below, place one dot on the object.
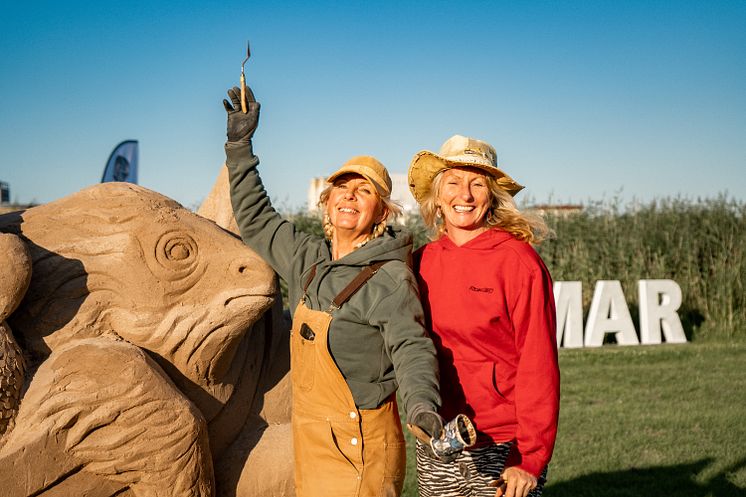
(315, 188)
(556, 210)
(5, 205)
(399, 193)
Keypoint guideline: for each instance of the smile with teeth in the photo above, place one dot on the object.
(463, 208)
(347, 210)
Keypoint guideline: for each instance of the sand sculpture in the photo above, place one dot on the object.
(143, 351)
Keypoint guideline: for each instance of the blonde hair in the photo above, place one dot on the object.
(502, 213)
(393, 211)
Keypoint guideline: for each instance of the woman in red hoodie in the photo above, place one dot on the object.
(488, 300)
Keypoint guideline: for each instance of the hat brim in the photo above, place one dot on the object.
(364, 172)
(426, 165)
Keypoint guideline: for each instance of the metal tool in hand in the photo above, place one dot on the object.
(243, 79)
(458, 434)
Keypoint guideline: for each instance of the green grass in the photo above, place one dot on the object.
(648, 421)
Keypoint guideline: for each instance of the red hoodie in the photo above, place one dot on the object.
(490, 308)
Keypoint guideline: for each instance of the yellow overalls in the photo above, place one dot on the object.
(340, 450)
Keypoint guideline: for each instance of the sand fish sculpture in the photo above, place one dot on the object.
(138, 324)
(15, 276)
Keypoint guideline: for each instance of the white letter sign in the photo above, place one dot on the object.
(568, 299)
(659, 301)
(609, 314)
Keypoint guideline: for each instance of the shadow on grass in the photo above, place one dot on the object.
(679, 480)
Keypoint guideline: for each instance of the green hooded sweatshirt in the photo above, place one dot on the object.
(377, 338)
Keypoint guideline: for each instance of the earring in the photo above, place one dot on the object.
(438, 213)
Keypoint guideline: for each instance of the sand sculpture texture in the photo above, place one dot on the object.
(143, 351)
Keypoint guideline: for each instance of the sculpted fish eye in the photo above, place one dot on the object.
(178, 248)
(178, 252)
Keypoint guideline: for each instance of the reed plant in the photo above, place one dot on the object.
(697, 243)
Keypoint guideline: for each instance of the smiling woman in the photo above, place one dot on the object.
(353, 208)
(488, 298)
(358, 328)
(463, 201)
(356, 204)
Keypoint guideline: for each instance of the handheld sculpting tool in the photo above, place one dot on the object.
(243, 79)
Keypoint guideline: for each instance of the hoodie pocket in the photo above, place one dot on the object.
(500, 388)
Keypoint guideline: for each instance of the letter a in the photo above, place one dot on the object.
(609, 314)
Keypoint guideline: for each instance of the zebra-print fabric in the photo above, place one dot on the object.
(468, 475)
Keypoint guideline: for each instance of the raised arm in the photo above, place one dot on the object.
(262, 228)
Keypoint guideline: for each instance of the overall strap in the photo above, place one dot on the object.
(355, 285)
(310, 277)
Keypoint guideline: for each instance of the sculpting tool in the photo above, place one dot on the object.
(243, 79)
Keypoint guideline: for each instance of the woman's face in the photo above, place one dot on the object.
(354, 205)
(464, 199)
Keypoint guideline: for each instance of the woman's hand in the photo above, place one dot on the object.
(425, 423)
(241, 126)
(514, 482)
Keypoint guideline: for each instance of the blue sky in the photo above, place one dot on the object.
(582, 100)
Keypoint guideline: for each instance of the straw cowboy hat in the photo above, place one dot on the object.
(369, 168)
(456, 151)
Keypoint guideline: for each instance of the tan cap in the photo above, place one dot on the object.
(369, 168)
(456, 151)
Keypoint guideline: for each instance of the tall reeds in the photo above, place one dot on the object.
(697, 243)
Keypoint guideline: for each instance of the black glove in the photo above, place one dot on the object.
(241, 126)
(425, 423)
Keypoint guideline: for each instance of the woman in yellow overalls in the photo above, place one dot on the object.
(357, 332)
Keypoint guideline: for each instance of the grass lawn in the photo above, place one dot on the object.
(648, 421)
